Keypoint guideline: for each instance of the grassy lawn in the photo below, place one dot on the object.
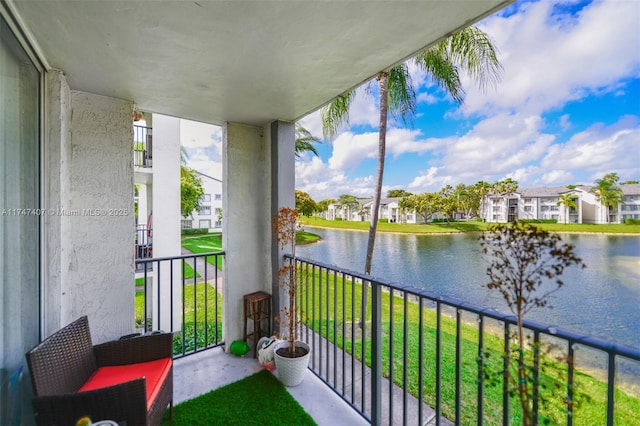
(590, 393)
(470, 226)
(205, 244)
(201, 307)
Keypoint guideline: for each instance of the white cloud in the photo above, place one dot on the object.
(600, 149)
(550, 57)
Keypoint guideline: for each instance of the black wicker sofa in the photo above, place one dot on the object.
(129, 381)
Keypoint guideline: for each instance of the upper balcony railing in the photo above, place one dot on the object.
(418, 358)
(142, 146)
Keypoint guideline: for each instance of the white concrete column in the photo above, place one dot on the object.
(165, 209)
(282, 142)
(258, 177)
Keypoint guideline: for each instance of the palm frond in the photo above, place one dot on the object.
(474, 52)
(336, 113)
(402, 97)
(435, 63)
(305, 140)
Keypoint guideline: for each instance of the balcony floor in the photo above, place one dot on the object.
(197, 374)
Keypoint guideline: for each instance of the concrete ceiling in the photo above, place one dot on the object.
(241, 61)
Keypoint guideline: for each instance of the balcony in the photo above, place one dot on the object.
(408, 337)
(142, 147)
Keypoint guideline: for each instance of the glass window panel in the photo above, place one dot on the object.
(19, 224)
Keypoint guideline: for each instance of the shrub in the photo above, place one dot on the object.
(632, 221)
(338, 218)
(383, 221)
(195, 231)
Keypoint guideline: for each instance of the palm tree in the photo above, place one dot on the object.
(483, 189)
(468, 50)
(304, 141)
(568, 200)
(507, 187)
(607, 192)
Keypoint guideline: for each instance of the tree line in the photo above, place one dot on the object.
(466, 200)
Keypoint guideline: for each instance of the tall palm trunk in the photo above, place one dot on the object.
(383, 82)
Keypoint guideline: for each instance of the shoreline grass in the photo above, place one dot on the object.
(589, 394)
(468, 226)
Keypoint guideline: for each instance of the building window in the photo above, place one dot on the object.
(554, 208)
(496, 200)
(218, 197)
(544, 208)
(204, 223)
(528, 208)
(204, 210)
(496, 217)
(206, 198)
(528, 200)
(409, 217)
(218, 224)
(496, 209)
(186, 224)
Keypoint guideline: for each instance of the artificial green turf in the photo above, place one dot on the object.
(259, 400)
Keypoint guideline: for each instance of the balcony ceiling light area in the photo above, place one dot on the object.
(240, 61)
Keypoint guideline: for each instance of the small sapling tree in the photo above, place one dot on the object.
(525, 264)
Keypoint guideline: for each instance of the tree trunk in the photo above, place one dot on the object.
(383, 80)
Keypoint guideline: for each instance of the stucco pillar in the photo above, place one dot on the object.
(165, 211)
(282, 142)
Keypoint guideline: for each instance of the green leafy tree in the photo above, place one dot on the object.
(191, 191)
(425, 205)
(448, 202)
(567, 200)
(323, 205)
(305, 204)
(630, 182)
(305, 141)
(523, 260)
(469, 50)
(483, 188)
(608, 193)
(397, 193)
(348, 202)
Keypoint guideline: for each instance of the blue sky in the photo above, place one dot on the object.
(567, 111)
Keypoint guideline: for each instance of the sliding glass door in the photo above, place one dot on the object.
(19, 223)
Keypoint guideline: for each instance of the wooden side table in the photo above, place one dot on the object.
(257, 310)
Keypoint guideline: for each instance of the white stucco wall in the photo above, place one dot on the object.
(88, 268)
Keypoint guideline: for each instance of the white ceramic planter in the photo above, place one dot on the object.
(291, 371)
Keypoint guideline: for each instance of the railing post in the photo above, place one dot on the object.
(376, 353)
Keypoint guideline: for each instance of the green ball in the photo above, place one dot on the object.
(239, 347)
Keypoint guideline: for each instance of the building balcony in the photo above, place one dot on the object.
(142, 147)
(418, 358)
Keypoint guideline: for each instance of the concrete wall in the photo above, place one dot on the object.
(88, 189)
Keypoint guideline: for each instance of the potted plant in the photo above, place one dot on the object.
(291, 355)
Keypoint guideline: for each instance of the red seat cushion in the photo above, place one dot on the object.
(154, 371)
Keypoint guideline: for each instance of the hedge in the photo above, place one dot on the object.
(195, 231)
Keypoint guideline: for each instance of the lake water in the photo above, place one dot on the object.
(602, 300)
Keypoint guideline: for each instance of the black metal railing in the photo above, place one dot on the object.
(418, 358)
(182, 294)
(142, 146)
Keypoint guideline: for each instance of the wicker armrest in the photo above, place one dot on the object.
(137, 349)
(123, 402)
